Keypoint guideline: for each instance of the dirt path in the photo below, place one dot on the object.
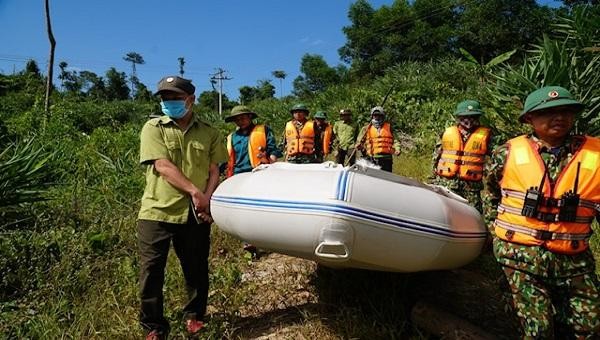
(295, 299)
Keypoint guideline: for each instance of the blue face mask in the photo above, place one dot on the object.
(173, 108)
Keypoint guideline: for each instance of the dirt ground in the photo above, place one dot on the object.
(297, 299)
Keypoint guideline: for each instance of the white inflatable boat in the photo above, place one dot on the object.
(356, 217)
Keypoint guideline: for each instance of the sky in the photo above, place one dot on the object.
(249, 39)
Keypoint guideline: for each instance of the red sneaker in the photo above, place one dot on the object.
(193, 326)
(156, 335)
(250, 248)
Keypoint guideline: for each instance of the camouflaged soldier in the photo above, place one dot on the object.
(460, 154)
(301, 139)
(545, 193)
(377, 140)
(325, 130)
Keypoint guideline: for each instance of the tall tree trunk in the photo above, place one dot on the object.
(50, 60)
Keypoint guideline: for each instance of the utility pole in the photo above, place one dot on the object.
(219, 76)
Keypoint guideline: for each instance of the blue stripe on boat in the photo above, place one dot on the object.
(338, 187)
(348, 211)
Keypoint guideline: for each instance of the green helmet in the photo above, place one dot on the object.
(468, 108)
(547, 97)
(299, 107)
(239, 110)
(320, 115)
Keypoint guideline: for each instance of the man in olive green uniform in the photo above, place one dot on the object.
(542, 227)
(344, 132)
(181, 154)
(301, 139)
(469, 132)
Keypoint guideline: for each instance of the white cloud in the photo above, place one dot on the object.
(311, 42)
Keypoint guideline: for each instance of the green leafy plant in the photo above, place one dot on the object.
(567, 60)
(23, 175)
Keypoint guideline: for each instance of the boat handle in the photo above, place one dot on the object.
(319, 251)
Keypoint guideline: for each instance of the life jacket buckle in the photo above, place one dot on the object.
(547, 217)
(544, 235)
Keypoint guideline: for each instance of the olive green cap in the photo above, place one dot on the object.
(345, 112)
(468, 108)
(240, 110)
(320, 115)
(547, 97)
(299, 107)
(175, 84)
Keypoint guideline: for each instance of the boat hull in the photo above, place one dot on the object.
(355, 217)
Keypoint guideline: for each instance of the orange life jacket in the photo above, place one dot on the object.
(300, 143)
(380, 141)
(523, 170)
(327, 135)
(257, 149)
(463, 160)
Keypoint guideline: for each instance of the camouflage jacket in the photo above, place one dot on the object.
(302, 158)
(361, 139)
(455, 184)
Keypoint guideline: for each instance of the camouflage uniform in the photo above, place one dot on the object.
(303, 158)
(469, 190)
(546, 287)
(319, 156)
(385, 161)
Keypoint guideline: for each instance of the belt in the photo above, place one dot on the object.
(543, 235)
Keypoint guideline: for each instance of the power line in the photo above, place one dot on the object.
(431, 14)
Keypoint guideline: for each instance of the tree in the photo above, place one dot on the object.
(50, 60)
(573, 3)
(431, 29)
(247, 94)
(32, 68)
(209, 101)
(317, 76)
(280, 74)
(362, 44)
(70, 81)
(134, 58)
(116, 85)
(432, 35)
(92, 85)
(181, 63)
(489, 28)
(263, 90)
(142, 93)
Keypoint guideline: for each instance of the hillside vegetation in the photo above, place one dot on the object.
(70, 186)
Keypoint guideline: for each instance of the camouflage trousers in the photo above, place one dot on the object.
(555, 296)
(303, 159)
(468, 190)
(474, 198)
